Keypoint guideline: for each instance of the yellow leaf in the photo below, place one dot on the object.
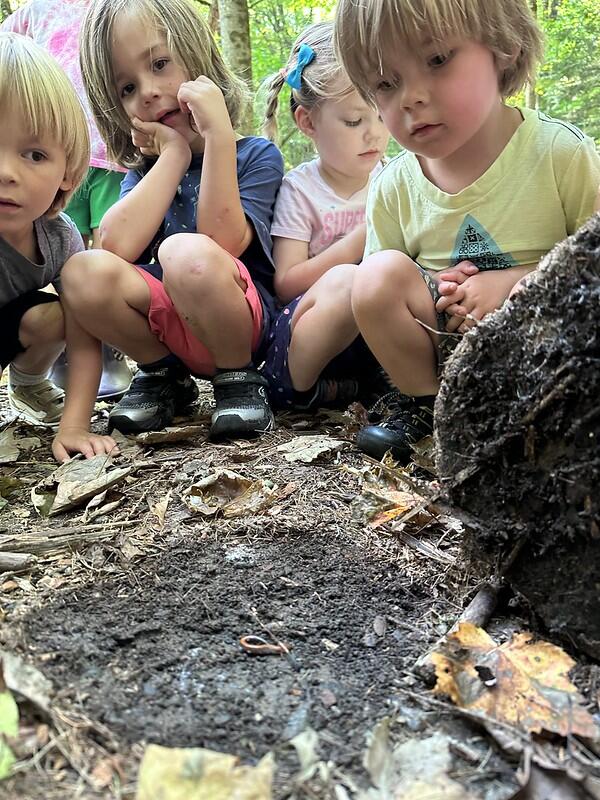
(198, 774)
(522, 682)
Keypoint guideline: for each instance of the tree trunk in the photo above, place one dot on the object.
(5, 10)
(518, 432)
(234, 25)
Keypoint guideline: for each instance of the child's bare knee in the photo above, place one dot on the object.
(90, 278)
(192, 263)
(380, 278)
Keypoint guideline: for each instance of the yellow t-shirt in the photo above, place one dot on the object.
(539, 190)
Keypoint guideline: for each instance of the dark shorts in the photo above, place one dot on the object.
(10, 320)
(447, 341)
(355, 362)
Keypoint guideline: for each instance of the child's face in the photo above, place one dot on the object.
(437, 100)
(32, 171)
(146, 76)
(348, 135)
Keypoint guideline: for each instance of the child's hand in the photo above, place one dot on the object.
(449, 279)
(69, 441)
(204, 100)
(153, 138)
(479, 295)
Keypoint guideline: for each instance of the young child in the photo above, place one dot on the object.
(44, 152)
(318, 224)
(55, 25)
(198, 199)
(479, 180)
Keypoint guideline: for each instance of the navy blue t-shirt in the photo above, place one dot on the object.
(259, 171)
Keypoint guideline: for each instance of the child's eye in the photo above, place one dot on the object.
(127, 90)
(384, 86)
(352, 123)
(35, 155)
(439, 59)
(160, 63)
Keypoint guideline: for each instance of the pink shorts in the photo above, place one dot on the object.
(176, 335)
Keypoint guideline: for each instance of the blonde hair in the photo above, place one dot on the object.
(369, 32)
(34, 86)
(323, 79)
(188, 39)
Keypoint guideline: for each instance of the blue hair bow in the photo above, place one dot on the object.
(305, 55)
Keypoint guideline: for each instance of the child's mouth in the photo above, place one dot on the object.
(9, 205)
(169, 117)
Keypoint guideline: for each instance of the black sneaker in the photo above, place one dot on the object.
(153, 399)
(410, 419)
(242, 405)
(330, 393)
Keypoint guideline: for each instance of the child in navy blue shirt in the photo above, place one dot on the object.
(184, 283)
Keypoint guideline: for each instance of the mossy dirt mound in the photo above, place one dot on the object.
(518, 429)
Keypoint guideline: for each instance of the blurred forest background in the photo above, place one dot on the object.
(256, 36)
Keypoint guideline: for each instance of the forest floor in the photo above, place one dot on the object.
(133, 610)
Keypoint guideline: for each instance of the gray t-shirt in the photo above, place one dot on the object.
(58, 239)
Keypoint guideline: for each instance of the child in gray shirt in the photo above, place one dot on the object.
(44, 154)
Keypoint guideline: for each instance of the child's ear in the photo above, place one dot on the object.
(304, 121)
(67, 184)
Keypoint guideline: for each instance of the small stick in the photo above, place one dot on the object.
(12, 562)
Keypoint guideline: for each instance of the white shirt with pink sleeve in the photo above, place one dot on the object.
(55, 26)
(308, 209)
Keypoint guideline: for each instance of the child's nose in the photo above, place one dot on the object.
(7, 169)
(414, 92)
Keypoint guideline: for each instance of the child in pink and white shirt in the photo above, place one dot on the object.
(315, 355)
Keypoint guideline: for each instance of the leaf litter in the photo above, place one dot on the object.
(316, 506)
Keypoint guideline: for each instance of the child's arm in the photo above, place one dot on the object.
(130, 224)
(84, 354)
(219, 212)
(295, 273)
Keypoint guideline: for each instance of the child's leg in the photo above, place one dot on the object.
(389, 295)
(214, 294)
(322, 326)
(111, 301)
(32, 335)
(42, 334)
(205, 286)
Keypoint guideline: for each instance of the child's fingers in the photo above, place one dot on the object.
(444, 303)
(447, 287)
(59, 452)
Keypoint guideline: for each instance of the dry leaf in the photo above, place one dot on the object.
(228, 493)
(26, 680)
(308, 448)
(10, 448)
(522, 682)
(385, 497)
(186, 773)
(74, 482)
(160, 509)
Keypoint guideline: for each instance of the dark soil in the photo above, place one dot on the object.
(160, 660)
(525, 460)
